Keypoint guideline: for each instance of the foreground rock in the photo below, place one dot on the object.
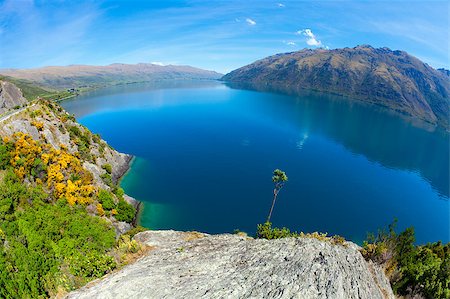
(194, 265)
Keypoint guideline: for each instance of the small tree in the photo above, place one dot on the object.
(279, 178)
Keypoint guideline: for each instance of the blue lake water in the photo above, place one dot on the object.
(205, 153)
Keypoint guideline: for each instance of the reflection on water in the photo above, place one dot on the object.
(378, 134)
(111, 98)
(206, 151)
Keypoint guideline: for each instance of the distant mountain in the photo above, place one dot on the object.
(393, 79)
(88, 76)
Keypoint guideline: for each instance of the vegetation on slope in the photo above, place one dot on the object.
(413, 270)
(32, 91)
(55, 224)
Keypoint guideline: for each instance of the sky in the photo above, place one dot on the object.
(215, 35)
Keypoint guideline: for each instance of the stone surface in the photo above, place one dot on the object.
(10, 96)
(195, 265)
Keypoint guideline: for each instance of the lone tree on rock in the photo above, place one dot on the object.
(279, 178)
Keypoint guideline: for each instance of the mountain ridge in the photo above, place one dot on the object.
(92, 76)
(389, 78)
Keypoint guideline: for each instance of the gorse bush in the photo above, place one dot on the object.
(48, 240)
(422, 270)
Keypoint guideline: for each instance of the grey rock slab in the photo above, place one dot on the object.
(195, 265)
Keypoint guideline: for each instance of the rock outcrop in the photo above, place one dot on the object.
(48, 123)
(392, 79)
(195, 265)
(54, 126)
(10, 97)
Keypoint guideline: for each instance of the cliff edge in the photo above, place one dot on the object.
(195, 265)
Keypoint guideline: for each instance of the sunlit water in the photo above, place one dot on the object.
(205, 154)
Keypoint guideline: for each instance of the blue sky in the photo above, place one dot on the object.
(216, 35)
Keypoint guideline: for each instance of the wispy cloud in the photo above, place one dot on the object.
(250, 22)
(311, 38)
(281, 5)
(289, 43)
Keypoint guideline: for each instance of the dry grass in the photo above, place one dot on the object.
(193, 236)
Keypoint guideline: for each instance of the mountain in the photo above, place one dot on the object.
(393, 79)
(88, 76)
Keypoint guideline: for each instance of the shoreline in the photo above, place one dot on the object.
(137, 204)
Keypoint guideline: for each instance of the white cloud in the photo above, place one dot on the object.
(311, 39)
(158, 63)
(281, 5)
(289, 43)
(250, 22)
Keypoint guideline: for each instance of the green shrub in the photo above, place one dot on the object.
(134, 231)
(5, 154)
(125, 211)
(265, 231)
(39, 240)
(119, 192)
(91, 265)
(422, 270)
(108, 168)
(107, 179)
(106, 199)
(39, 169)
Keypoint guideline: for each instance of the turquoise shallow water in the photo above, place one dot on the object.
(205, 153)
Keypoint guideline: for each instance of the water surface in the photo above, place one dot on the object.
(205, 153)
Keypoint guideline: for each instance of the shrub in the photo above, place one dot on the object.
(413, 270)
(265, 231)
(134, 231)
(125, 211)
(108, 168)
(43, 239)
(91, 265)
(5, 154)
(107, 179)
(106, 199)
(36, 113)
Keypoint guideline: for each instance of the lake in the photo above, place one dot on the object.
(205, 153)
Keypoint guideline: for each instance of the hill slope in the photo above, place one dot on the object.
(194, 265)
(10, 97)
(393, 79)
(88, 76)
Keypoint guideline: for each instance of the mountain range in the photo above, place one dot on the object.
(88, 76)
